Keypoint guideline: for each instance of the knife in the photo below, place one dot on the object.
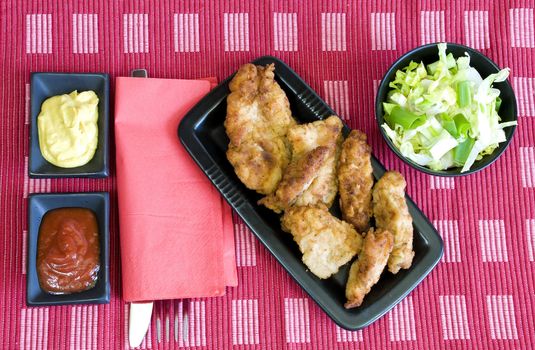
(140, 313)
(138, 324)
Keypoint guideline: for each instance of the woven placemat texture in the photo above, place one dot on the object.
(480, 296)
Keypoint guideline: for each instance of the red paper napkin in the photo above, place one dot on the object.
(176, 232)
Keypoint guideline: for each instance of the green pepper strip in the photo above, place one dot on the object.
(464, 94)
(450, 127)
(461, 152)
(406, 119)
(462, 125)
(498, 103)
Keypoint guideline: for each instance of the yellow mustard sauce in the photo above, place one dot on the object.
(68, 130)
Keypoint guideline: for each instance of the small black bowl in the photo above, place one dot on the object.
(45, 85)
(429, 54)
(38, 206)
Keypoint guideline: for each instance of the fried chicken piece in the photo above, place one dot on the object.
(325, 241)
(298, 176)
(355, 181)
(257, 121)
(392, 214)
(306, 137)
(367, 269)
(259, 164)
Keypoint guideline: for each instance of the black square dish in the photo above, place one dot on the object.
(203, 135)
(45, 85)
(38, 206)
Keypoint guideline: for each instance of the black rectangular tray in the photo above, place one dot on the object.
(203, 135)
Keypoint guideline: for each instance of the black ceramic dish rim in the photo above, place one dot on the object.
(104, 170)
(453, 172)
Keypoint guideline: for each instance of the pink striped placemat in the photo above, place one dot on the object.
(481, 294)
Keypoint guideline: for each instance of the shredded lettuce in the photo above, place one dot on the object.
(444, 114)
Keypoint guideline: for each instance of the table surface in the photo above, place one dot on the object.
(479, 296)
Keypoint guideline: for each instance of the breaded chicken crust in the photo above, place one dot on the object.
(326, 242)
(355, 181)
(257, 121)
(306, 137)
(392, 214)
(367, 269)
(298, 176)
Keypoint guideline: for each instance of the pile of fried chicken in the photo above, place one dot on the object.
(301, 167)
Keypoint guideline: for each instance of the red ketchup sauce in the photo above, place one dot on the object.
(68, 251)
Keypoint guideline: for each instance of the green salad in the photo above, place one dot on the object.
(444, 114)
